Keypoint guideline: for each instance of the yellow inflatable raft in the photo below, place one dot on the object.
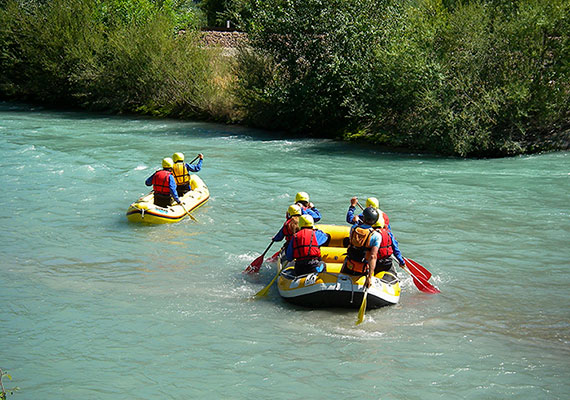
(331, 288)
(144, 209)
(338, 233)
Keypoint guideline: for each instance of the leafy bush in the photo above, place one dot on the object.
(466, 78)
(318, 50)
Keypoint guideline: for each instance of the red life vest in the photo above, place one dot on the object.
(160, 182)
(385, 250)
(288, 229)
(305, 246)
(357, 249)
(180, 173)
(386, 219)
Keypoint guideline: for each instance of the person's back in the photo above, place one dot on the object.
(163, 184)
(363, 246)
(304, 247)
(291, 225)
(181, 172)
(360, 243)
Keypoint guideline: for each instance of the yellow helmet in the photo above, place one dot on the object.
(306, 221)
(167, 162)
(178, 157)
(372, 202)
(301, 196)
(380, 223)
(294, 210)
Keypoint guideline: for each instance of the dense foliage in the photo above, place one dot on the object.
(467, 78)
(119, 55)
(470, 78)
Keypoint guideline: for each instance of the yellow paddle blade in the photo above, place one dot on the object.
(362, 309)
(265, 290)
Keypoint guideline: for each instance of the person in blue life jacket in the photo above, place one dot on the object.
(388, 248)
(362, 251)
(304, 247)
(181, 172)
(291, 225)
(370, 202)
(163, 184)
(302, 199)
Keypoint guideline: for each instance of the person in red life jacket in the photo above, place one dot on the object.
(388, 248)
(163, 184)
(304, 247)
(181, 172)
(370, 202)
(362, 250)
(291, 225)
(302, 199)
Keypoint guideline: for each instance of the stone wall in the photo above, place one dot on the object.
(225, 39)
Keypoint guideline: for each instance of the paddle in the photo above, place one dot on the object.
(256, 264)
(265, 290)
(418, 268)
(362, 308)
(187, 213)
(422, 284)
(273, 258)
(195, 158)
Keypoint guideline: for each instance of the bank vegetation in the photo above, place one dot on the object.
(469, 78)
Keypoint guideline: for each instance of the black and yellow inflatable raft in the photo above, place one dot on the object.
(331, 288)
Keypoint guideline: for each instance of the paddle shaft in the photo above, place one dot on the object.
(267, 249)
(362, 309)
(187, 213)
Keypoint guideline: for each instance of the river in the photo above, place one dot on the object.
(96, 307)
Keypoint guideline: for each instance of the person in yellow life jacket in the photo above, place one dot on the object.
(364, 243)
(181, 172)
(388, 248)
(291, 225)
(304, 247)
(163, 184)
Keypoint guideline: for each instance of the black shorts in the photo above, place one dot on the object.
(162, 200)
(184, 188)
(305, 267)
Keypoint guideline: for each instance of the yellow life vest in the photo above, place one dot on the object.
(357, 249)
(180, 173)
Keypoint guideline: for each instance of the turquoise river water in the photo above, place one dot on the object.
(95, 307)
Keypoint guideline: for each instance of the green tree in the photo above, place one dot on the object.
(467, 78)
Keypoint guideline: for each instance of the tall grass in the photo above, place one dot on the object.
(122, 56)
